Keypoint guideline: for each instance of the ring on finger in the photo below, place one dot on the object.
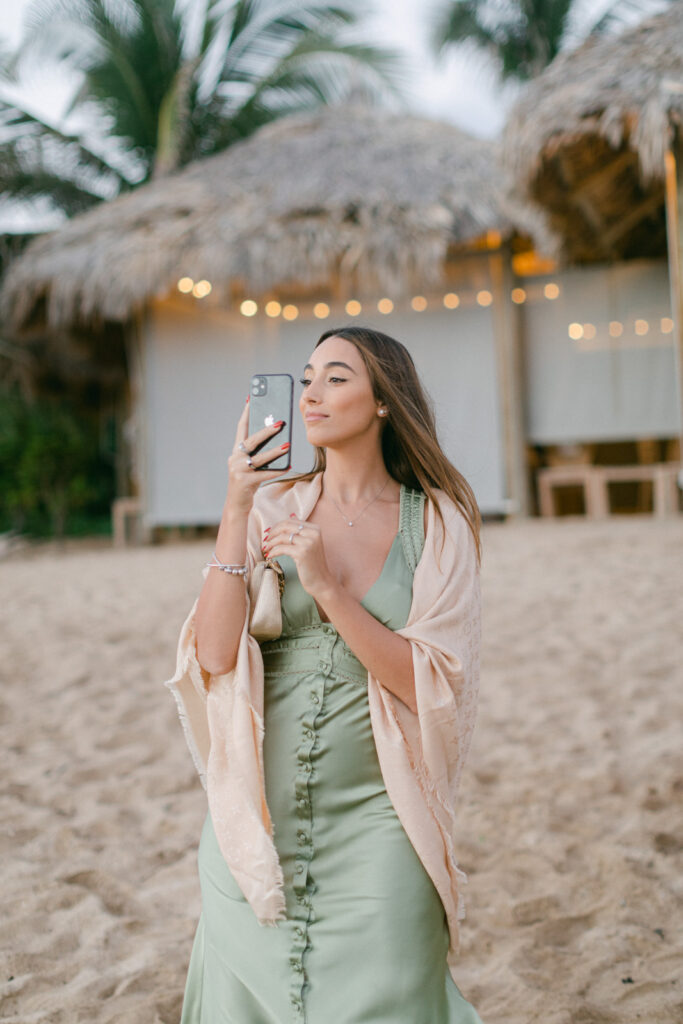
(249, 462)
(241, 446)
(300, 528)
(291, 538)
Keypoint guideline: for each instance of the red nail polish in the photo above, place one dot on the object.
(248, 397)
(266, 529)
(280, 423)
(285, 446)
(292, 516)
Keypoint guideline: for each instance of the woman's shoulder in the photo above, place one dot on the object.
(450, 509)
(455, 529)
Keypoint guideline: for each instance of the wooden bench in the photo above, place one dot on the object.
(595, 481)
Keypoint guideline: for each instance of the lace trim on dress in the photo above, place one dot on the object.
(411, 525)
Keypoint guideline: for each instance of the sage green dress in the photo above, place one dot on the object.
(365, 939)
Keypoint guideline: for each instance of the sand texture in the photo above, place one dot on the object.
(571, 810)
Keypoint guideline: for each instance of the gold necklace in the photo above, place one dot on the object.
(350, 522)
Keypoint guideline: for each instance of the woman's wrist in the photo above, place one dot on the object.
(236, 510)
(327, 592)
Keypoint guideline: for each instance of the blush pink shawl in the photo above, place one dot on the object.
(421, 755)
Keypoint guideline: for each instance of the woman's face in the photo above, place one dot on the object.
(337, 404)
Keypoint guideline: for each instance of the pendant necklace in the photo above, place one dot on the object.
(350, 522)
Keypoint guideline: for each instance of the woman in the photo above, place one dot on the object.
(332, 755)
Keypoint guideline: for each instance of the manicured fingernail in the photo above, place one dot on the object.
(292, 516)
(248, 397)
(285, 446)
(266, 531)
(280, 423)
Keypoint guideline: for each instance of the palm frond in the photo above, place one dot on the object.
(317, 70)
(460, 21)
(39, 184)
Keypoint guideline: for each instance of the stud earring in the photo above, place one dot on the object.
(382, 412)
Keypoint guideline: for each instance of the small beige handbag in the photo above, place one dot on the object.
(266, 584)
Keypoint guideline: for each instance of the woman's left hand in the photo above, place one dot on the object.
(302, 541)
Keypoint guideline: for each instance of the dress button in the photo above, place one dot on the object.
(302, 837)
(299, 868)
(303, 802)
(299, 932)
(315, 698)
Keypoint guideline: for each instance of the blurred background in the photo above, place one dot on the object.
(190, 192)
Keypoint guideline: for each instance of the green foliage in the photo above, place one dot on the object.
(524, 36)
(171, 82)
(53, 479)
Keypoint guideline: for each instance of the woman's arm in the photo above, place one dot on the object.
(222, 604)
(385, 654)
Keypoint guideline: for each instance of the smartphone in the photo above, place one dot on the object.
(271, 400)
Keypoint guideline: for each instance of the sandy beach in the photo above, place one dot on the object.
(571, 808)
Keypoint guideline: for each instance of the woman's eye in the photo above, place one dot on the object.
(338, 379)
(304, 381)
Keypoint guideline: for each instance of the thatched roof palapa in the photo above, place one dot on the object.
(587, 139)
(374, 197)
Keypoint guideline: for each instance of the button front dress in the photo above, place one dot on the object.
(365, 938)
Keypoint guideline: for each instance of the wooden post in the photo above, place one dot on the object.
(674, 229)
(137, 427)
(507, 331)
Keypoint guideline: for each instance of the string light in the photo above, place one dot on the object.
(551, 290)
(321, 310)
(385, 305)
(451, 300)
(667, 325)
(248, 308)
(419, 303)
(353, 307)
(589, 331)
(273, 308)
(575, 331)
(290, 312)
(641, 327)
(185, 284)
(518, 295)
(201, 289)
(484, 298)
(616, 329)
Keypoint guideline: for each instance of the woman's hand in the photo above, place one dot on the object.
(303, 542)
(243, 480)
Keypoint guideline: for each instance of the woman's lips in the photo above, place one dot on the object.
(312, 417)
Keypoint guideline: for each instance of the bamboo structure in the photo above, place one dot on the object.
(596, 141)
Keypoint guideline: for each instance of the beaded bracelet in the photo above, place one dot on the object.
(234, 570)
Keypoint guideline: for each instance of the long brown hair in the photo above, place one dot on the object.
(410, 447)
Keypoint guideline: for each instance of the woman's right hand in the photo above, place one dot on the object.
(243, 479)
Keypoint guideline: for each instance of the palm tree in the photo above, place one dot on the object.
(169, 81)
(523, 36)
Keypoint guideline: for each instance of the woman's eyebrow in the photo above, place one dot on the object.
(346, 366)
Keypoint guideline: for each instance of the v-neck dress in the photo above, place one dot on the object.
(365, 937)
